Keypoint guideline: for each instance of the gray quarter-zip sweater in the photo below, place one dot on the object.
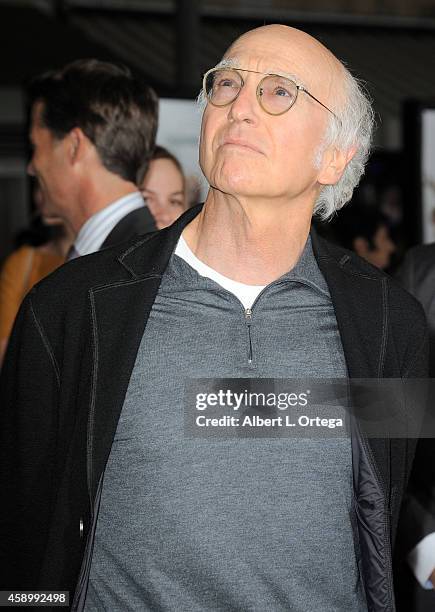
(247, 524)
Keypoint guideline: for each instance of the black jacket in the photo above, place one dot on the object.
(417, 275)
(66, 374)
(137, 222)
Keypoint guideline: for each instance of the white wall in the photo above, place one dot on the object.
(428, 174)
(179, 128)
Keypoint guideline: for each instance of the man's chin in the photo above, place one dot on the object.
(242, 185)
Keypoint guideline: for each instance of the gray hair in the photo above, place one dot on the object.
(354, 128)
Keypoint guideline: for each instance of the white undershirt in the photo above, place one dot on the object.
(246, 294)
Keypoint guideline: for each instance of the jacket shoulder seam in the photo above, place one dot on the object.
(124, 283)
(347, 264)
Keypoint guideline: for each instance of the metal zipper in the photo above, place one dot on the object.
(248, 319)
(248, 315)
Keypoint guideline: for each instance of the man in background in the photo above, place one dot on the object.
(367, 233)
(417, 275)
(93, 128)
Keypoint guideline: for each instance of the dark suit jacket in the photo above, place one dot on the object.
(417, 275)
(136, 223)
(67, 370)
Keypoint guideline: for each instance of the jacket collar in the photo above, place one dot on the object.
(151, 254)
(359, 296)
(358, 292)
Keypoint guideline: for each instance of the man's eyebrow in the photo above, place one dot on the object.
(233, 62)
(287, 75)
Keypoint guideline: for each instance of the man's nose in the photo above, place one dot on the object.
(245, 107)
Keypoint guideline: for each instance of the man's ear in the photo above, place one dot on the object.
(77, 145)
(333, 165)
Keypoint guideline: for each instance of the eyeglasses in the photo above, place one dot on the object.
(275, 94)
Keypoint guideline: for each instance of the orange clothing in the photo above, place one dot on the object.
(21, 270)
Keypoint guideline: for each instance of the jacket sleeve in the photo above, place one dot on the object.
(406, 273)
(29, 386)
(419, 505)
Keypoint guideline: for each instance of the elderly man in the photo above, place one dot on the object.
(107, 496)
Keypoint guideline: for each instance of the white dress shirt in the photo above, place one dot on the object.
(422, 560)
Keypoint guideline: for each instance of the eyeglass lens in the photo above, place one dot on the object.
(276, 94)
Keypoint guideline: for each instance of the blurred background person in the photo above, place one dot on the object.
(164, 188)
(417, 275)
(44, 247)
(93, 128)
(193, 190)
(366, 232)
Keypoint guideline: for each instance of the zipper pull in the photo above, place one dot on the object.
(248, 317)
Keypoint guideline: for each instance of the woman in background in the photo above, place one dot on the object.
(164, 188)
(28, 264)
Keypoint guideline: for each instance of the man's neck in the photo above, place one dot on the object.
(250, 242)
(95, 199)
